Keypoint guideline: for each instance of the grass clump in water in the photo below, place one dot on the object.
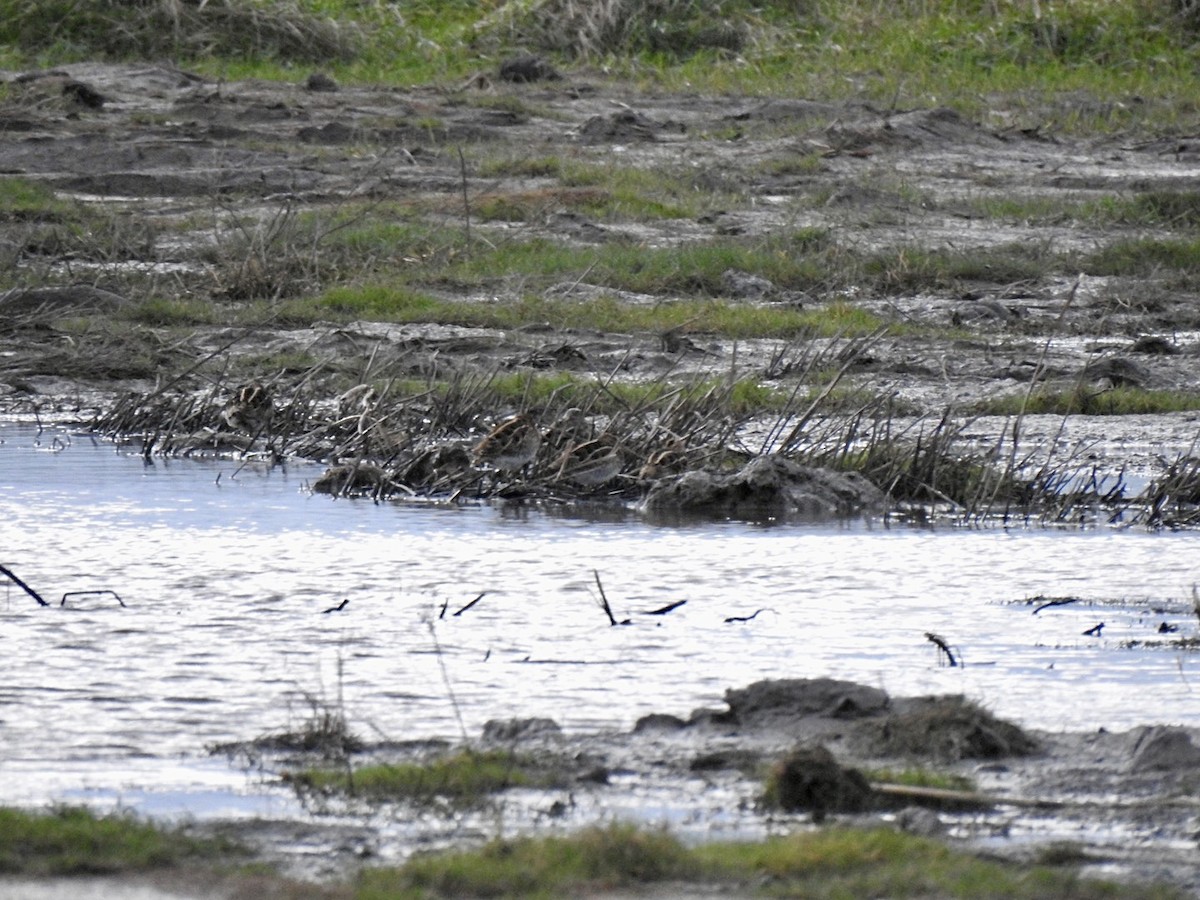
(75, 841)
(463, 778)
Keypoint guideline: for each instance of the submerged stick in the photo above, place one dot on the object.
(746, 618)
(1060, 601)
(942, 646)
(663, 610)
(4, 570)
(98, 593)
(612, 620)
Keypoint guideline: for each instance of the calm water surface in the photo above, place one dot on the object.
(224, 636)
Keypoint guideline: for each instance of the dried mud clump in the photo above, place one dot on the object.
(809, 779)
(777, 701)
(766, 487)
(949, 729)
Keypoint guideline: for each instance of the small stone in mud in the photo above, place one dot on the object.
(658, 722)
(1155, 344)
(319, 82)
(597, 775)
(810, 779)
(525, 69)
(734, 758)
(745, 285)
(921, 822)
(83, 94)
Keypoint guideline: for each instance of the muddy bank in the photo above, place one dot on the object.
(1120, 805)
(179, 169)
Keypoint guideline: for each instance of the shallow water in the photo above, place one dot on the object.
(224, 636)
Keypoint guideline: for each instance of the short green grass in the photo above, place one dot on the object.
(75, 841)
(831, 863)
(24, 199)
(605, 313)
(921, 778)
(1084, 400)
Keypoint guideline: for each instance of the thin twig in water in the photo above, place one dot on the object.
(482, 594)
(612, 620)
(663, 610)
(462, 727)
(749, 617)
(98, 593)
(1061, 601)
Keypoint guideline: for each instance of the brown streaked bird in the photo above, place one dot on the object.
(251, 408)
(667, 461)
(511, 445)
(591, 463)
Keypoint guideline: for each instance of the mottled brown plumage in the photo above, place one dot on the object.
(511, 445)
(591, 463)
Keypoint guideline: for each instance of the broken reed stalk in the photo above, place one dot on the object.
(437, 647)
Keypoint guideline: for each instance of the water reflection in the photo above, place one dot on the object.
(227, 579)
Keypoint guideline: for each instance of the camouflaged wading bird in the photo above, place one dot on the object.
(251, 408)
(591, 463)
(511, 445)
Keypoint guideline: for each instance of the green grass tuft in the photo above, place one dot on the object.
(75, 841)
(823, 865)
(464, 778)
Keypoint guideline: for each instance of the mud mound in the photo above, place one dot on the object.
(1164, 748)
(778, 701)
(950, 728)
(768, 487)
(787, 110)
(809, 779)
(625, 125)
(931, 129)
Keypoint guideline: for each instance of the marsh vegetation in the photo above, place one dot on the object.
(916, 242)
